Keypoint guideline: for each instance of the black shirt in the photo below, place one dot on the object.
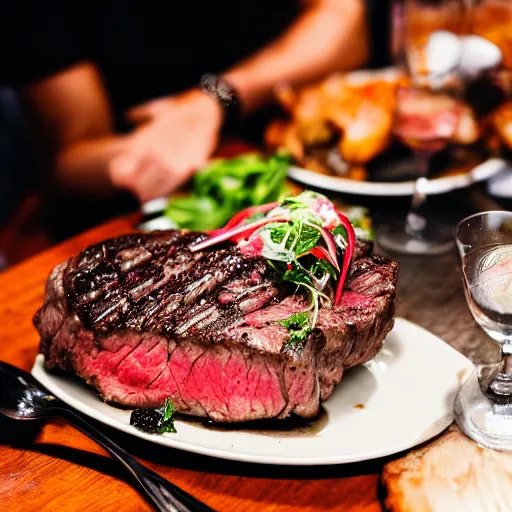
(144, 49)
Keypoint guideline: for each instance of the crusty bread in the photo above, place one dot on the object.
(451, 474)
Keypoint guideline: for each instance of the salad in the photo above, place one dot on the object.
(305, 239)
(227, 186)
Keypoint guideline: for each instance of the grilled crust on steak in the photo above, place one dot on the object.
(142, 319)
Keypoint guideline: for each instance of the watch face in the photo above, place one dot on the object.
(225, 91)
(226, 95)
(219, 88)
(207, 83)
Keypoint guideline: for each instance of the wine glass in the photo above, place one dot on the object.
(483, 407)
(427, 114)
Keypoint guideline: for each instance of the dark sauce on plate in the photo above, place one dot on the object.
(290, 427)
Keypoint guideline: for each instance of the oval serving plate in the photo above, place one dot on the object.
(440, 185)
(401, 398)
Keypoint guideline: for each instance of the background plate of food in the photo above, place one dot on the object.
(437, 185)
(341, 136)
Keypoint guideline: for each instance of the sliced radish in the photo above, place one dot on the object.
(321, 253)
(236, 233)
(329, 241)
(347, 259)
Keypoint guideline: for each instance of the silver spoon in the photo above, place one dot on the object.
(22, 397)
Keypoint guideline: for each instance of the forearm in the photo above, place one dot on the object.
(71, 123)
(330, 35)
(83, 167)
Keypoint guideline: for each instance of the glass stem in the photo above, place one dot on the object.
(500, 389)
(416, 220)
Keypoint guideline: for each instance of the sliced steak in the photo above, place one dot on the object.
(142, 318)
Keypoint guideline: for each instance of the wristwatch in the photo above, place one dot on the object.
(226, 95)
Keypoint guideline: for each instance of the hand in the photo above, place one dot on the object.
(176, 136)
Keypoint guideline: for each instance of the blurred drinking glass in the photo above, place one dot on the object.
(489, 52)
(428, 114)
(492, 20)
(483, 407)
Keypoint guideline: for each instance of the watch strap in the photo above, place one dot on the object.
(226, 95)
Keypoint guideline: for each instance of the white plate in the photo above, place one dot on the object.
(441, 185)
(407, 394)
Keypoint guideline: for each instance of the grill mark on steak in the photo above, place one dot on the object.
(169, 367)
(121, 361)
(225, 394)
(284, 391)
(110, 293)
(193, 364)
(153, 283)
(144, 319)
(131, 258)
(199, 320)
(215, 388)
(158, 376)
(251, 401)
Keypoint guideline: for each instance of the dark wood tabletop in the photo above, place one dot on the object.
(51, 467)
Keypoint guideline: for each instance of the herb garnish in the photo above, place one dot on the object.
(168, 419)
(226, 186)
(154, 421)
(299, 326)
(299, 237)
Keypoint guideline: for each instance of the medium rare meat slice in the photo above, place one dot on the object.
(142, 318)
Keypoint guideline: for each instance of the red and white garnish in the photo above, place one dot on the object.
(305, 225)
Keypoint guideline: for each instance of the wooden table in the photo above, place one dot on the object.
(53, 467)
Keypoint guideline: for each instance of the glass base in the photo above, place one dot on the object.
(433, 240)
(495, 383)
(482, 420)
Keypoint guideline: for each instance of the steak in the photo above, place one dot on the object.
(142, 318)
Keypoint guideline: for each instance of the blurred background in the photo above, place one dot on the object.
(101, 107)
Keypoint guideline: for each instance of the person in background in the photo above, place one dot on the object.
(16, 169)
(113, 96)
